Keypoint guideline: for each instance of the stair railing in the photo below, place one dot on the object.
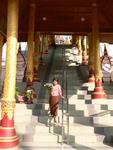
(65, 134)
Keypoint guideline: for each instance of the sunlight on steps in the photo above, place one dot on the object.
(90, 121)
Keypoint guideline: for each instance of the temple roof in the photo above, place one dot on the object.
(61, 16)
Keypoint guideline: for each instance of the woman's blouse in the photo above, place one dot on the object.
(56, 90)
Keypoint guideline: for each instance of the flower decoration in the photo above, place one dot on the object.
(30, 95)
(48, 86)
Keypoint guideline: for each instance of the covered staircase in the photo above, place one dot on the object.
(82, 123)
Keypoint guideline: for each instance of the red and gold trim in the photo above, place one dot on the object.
(8, 136)
(7, 113)
(8, 142)
(4, 132)
(8, 108)
(99, 92)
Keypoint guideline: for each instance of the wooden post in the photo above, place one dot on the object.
(29, 70)
(91, 78)
(36, 57)
(84, 51)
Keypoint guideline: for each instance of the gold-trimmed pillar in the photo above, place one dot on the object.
(31, 25)
(79, 45)
(36, 57)
(41, 48)
(91, 78)
(8, 137)
(84, 51)
(46, 44)
(99, 92)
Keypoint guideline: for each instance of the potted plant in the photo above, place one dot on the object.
(30, 95)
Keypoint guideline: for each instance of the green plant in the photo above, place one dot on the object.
(30, 95)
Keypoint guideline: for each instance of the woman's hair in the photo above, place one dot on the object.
(55, 79)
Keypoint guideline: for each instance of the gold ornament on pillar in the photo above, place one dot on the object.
(91, 60)
(29, 70)
(8, 108)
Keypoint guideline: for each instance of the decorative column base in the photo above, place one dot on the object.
(8, 138)
(99, 92)
(46, 51)
(29, 83)
(91, 79)
(36, 78)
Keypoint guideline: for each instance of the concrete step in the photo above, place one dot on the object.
(81, 92)
(43, 137)
(44, 112)
(75, 110)
(24, 106)
(74, 99)
(91, 109)
(104, 120)
(92, 145)
(88, 121)
(21, 118)
(79, 129)
(87, 138)
(83, 120)
(31, 128)
(44, 146)
(103, 101)
(78, 109)
(89, 86)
